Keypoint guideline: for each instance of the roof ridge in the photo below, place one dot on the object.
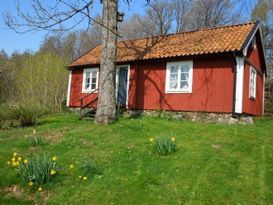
(192, 31)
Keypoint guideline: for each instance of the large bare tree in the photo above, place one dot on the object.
(106, 111)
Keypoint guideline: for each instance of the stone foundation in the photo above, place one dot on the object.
(216, 118)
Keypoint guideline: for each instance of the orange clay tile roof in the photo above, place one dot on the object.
(204, 41)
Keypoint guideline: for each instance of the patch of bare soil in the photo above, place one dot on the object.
(19, 193)
(53, 136)
(86, 142)
(16, 192)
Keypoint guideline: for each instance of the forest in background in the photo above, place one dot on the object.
(39, 79)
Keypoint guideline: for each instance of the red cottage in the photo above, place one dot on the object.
(220, 70)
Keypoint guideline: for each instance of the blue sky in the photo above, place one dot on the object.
(11, 41)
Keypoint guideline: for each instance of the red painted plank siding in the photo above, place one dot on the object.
(76, 89)
(212, 89)
(254, 106)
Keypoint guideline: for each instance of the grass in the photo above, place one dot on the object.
(214, 164)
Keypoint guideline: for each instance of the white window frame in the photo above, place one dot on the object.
(252, 95)
(88, 90)
(178, 89)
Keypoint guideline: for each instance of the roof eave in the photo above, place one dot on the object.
(237, 52)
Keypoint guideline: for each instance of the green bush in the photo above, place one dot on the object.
(38, 169)
(164, 146)
(22, 115)
(28, 115)
(6, 114)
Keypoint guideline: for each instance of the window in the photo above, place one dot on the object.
(252, 83)
(90, 79)
(179, 77)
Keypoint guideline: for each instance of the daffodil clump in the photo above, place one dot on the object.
(38, 170)
(163, 145)
(16, 160)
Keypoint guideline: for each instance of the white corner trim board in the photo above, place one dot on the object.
(239, 85)
(68, 89)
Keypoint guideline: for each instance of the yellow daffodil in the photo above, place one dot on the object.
(152, 139)
(173, 139)
(54, 158)
(84, 178)
(52, 172)
(40, 189)
(13, 164)
(13, 159)
(25, 161)
(19, 159)
(15, 154)
(8, 162)
(30, 183)
(80, 177)
(17, 163)
(71, 166)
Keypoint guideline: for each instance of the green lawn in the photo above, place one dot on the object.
(214, 164)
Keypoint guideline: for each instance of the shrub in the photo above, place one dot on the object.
(28, 115)
(164, 146)
(6, 114)
(38, 170)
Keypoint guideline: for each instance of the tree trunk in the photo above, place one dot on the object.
(106, 109)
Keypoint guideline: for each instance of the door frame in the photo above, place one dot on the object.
(128, 82)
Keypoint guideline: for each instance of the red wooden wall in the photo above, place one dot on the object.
(76, 89)
(254, 106)
(212, 89)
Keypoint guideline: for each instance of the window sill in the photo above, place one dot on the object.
(178, 91)
(252, 98)
(88, 91)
